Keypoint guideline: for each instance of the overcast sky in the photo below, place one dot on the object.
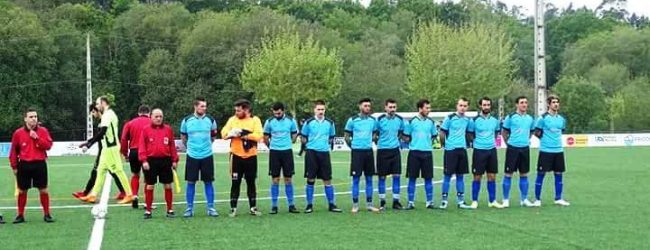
(641, 7)
(633, 6)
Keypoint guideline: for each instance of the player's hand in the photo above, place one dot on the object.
(84, 149)
(15, 171)
(145, 166)
(33, 134)
(174, 165)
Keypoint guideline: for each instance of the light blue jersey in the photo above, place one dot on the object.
(485, 130)
(389, 129)
(199, 131)
(551, 127)
(520, 128)
(280, 130)
(455, 127)
(361, 128)
(318, 134)
(422, 131)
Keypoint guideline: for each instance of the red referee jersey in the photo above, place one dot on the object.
(157, 141)
(131, 133)
(25, 148)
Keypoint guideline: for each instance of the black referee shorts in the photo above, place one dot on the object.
(318, 165)
(484, 160)
(362, 162)
(160, 169)
(134, 162)
(551, 162)
(456, 162)
(31, 174)
(389, 161)
(281, 161)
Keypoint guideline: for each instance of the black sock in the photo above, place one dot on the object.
(251, 191)
(234, 192)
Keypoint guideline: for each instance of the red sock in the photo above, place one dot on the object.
(22, 201)
(135, 184)
(148, 198)
(169, 198)
(45, 202)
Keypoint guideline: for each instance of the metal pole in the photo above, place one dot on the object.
(540, 60)
(89, 91)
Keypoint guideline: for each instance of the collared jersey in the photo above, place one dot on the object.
(254, 127)
(318, 133)
(552, 127)
(389, 129)
(110, 122)
(24, 148)
(280, 132)
(520, 128)
(157, 141)
(199, 131)
(422, 131)
(485, 130)
(361, 128)
(455, 127)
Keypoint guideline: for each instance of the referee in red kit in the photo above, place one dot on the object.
(157, 152)
(27, 157)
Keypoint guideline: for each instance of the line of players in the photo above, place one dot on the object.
(152, 147)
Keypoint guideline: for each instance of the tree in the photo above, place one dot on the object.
(612, 77)
(159, 76)
(631, 114)
(583, 104)
(25, 66)
(288, 69)
(567, 29)
(445, 63)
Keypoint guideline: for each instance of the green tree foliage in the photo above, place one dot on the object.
(445, 63)
(292, 71)
(583, 104)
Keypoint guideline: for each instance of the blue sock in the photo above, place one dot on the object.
(558, 186)
(396, 187)
(523, 187)
(355, 188)
(381, 187)
(411, 189)
(538, 185)
(492, 191)
(476, 189)
(460, 189)
(329, 192)
(369, 189)
(209, 194)
(445, 187)
(428, 189)
(507, 181)
(275, 192)
(288, 190)
(189, 195)
(309, 190)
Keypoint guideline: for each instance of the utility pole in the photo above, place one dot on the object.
(89, 91)
(540, 60)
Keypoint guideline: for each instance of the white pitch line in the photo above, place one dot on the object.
(97, 234)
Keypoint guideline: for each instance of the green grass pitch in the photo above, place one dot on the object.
(607, 188)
